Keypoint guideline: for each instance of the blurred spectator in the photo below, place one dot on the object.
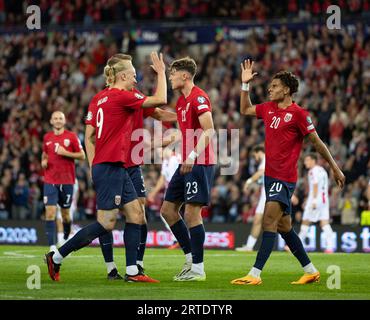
(348, 206)
(20, 194)
(5, 203)
(34, 203)
(42, 72)
(89, 12)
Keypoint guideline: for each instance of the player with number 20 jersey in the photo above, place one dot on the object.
(286, 125)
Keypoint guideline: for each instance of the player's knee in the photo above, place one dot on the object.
(50, 213)
(192, 219)
(283, 229)
(269, 224)
(107, 219)
(170, 215)
(107, 225)
(135, 214)
(66, 220)
(166, 212)
(65, 216)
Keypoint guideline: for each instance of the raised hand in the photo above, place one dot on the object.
(247, 71)
(339, 177)
(158, 64)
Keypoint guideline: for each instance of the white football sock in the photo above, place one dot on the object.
(251, 242)
(57, 257)
(60, 237)
(303, 232)
(110, 266)
(329, 236)
(132, 270)
(310, 268)
(255, 272)
(198, 268)
(140, 263)
(189, 258)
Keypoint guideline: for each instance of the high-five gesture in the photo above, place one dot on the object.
(247, 71)
(158, 63)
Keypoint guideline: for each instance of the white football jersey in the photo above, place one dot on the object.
(319, 175)
(169, 167)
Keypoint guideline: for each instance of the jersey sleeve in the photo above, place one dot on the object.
(304, 123)
(148, 112)
(76, 144)
(131, 99)
(90, 116)
(201, 104)
(261, 110)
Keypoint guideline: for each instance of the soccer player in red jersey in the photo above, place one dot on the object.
(133, 167)
(109, 125)
(191, 183)
(286, 125)
(59, 150)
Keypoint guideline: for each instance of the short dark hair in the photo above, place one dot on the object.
(288, 79)
(312, 155)
(188, 64)
(258, 148)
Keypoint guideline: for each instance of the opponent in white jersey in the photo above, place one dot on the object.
(317, 204)
(64, 227)
(171, 161)
(258, 153)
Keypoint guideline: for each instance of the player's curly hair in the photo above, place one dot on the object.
(115, 64)
(288, 79)
(188, 64)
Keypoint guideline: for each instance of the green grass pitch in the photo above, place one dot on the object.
(83, 276)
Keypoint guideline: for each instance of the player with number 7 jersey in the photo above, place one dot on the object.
(286, 125)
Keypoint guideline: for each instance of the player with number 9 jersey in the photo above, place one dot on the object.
(109, 125)
(112, 113)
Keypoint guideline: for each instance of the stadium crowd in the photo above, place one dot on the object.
(43, 72)
(88, 12)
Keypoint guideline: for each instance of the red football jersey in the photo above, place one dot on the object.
(112, 113)
(188, 110)
(284, 133)
(60, 169)
(136, 150)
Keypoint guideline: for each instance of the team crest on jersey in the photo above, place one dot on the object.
(139, 96)
(288, 117)
(89, 116)
(201, 99)
(117, 200)
(66, 142)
